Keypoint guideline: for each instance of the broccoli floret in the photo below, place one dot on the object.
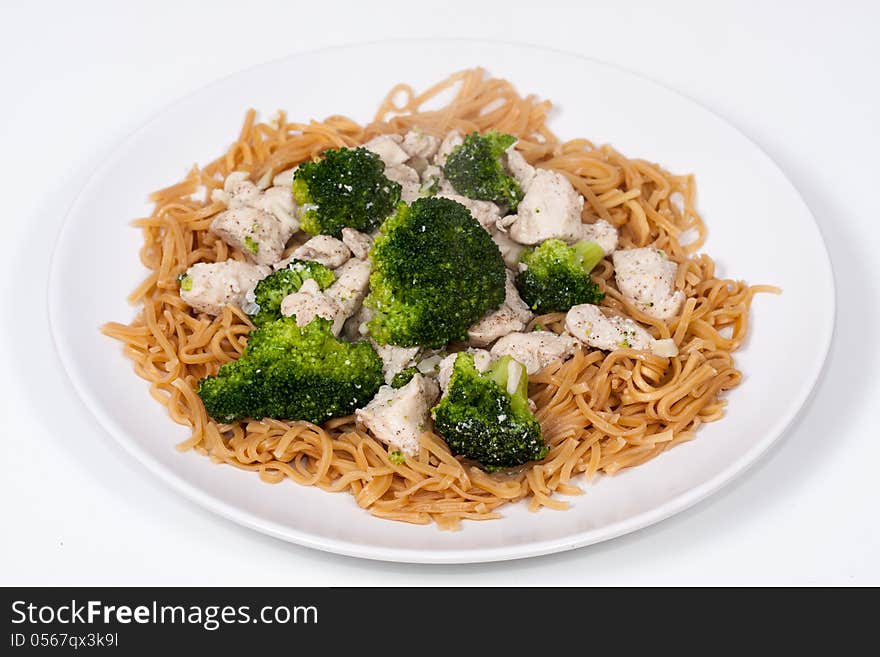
(475, 170)
(397, 457)
(402, 378)
(270, 292)
(294, 373)
(347, 187)
(478, 418)
(436, 271)
(557, 276)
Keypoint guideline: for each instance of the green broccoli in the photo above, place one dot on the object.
(478, 418)
(293, 373)
(397, 457)
(436, 271)
(402, 378)
(557, 276)
(270, 291)
(475, 170)
(347, 187)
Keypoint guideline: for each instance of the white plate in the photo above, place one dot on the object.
(759, 228)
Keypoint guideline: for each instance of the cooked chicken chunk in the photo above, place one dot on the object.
(357, 242)
(431, 173)
(285, 178)
(398, 417)
(394, 359)
(259, 223)
(510, 250)
(646, 277)
(512, 316)
(590, 325)
(522, 171)
(536, 350)
(237, 190)
(388, 148)
(355, 327)
(449, 143)
(348, 290)
(309, 302)
(210, 286)
(550, 208)
(602, 233)
(485, 212)
(482, 360)
(278, 201)
(258, 234)
(323, 249)
(337, 303)
(410, 183)
(430, 364)
(420, 144)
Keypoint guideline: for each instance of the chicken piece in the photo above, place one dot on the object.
(522, 171)
(506, 222)
(486, 212)
(512, 316)
(602, 233)
(550, 208)
(646, 277)
(259, 223)
(309, 302)
(449, 143)
(357, 242)
(536, 350)
(394, 359)
(285, 178)
(388, 148)
(355, 327)
(410, 183)
(417, 143)
(418, 164)
(348, 290)
(430, 365)
(431, 173)
(323, 249)
(257, 234)
(209, 287)
(590, 325)
(482, 360)
(510, 250)
(278, 201)
(398, 417)
(238, 190)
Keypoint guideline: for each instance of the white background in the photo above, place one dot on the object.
(798, 78)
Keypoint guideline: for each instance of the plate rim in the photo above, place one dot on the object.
(193, 493)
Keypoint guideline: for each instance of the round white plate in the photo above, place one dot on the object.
(759, 228)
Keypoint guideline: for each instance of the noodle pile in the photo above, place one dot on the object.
(600, 412)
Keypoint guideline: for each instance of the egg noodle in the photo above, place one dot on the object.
(599, 411)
